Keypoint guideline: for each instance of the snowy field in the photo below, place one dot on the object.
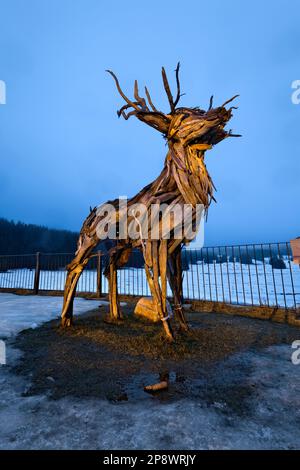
(255, 283)
(35, 422)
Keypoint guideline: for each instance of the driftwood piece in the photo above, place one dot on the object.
(158, 387)
(184, 179)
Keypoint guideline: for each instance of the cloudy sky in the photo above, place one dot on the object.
(63, 148)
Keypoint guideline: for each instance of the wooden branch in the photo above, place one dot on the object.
(229, 101)
(128, 101)
(178, 85)
(163, 253)
(150, 100)
(167, 89)
(126, 106)
(140, 100)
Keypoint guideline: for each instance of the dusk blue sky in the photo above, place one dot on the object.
(63, 148)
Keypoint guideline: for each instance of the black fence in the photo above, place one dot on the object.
(259, 274)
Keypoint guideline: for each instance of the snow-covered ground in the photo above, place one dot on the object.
(18, 313)
(35, 422)
(256, 283)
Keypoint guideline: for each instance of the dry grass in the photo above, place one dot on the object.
(94, 358)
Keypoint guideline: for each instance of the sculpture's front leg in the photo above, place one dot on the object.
(156, 267)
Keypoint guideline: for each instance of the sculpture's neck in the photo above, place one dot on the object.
(190, 174)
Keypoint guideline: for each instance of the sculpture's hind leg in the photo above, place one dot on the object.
(75, 269)
(175, 281)
(115, 311)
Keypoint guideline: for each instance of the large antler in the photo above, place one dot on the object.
(139, 105)
(140, 108)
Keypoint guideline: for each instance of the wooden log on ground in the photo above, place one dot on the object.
(158, 387)
(146, 308)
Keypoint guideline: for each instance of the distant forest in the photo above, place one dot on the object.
(19, 238)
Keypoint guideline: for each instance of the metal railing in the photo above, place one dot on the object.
(252, 274)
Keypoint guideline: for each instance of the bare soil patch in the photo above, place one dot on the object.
(115, 362)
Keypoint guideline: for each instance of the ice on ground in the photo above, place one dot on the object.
(18, 312)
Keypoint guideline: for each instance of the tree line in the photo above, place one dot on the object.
(20, 238)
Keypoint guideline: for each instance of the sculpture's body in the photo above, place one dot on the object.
(183, 180)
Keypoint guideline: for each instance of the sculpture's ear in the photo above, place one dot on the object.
(158, 120)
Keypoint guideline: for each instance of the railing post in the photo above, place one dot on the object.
(37, 274)
(99, 274)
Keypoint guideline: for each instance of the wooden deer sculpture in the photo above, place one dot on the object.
(184, 180)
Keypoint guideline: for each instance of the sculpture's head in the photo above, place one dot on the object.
(192, 128)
